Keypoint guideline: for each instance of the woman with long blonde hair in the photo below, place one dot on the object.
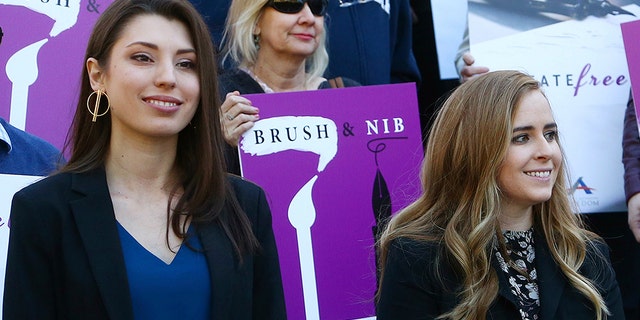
(493, 235)
(273, 46)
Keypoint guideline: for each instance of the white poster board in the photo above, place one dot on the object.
(582, 67)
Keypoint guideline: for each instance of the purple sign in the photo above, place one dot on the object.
(41, 56)
(630, 32)
(334, 164)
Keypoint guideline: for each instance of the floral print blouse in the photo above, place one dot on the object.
(525, 288)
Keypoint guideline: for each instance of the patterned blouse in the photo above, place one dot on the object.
(521, 251)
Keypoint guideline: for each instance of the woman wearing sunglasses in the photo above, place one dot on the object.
(276, 46)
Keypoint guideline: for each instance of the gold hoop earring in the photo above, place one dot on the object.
(99, 93)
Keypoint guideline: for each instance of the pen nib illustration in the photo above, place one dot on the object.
(381, 201)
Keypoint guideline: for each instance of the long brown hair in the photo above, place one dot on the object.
(199, 155)
(461, 200)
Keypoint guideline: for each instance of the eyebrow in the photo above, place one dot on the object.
(155, 47)
(551, 125)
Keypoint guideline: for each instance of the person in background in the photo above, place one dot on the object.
(276, 46)
(464, 60)
(369, 41)
(630, 260)
(493, 236)
(26, 154)
(23, 153)
(631, 161)
(143, 222)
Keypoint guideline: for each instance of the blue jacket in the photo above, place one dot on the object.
(214, 13)
(369, 44)
(26, 154)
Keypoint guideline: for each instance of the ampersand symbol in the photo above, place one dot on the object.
(347, 129)
(92, 6)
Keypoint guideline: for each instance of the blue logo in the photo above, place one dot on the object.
(580, 185)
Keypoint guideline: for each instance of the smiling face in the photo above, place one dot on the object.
(289, 34)
(530, 168)
(150, 78)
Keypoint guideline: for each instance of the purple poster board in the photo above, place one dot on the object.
(631, 38)
(325, 159)
(41, 57)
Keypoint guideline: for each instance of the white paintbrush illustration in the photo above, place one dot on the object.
(22, 67)
(312, 134)
(22, 70)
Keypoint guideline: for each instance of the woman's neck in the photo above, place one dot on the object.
(515, 219)
(141, 164)
(281, 75)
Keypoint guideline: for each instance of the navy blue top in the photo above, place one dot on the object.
(179, 290)
(214, 14)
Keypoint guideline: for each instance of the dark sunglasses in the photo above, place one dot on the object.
(318, 7)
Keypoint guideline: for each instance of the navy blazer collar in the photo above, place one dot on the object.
(551, 281)
(97, 225)
(222, 268)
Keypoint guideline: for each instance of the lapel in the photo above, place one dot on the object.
(222, 267)
(504, 288)
(97, 226)
(551, 280)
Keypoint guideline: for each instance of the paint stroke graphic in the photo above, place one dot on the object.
(63, 12)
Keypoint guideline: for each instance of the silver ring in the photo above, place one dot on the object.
(229, 117)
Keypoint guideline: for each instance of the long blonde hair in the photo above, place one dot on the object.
(238, 38)
(461, 200)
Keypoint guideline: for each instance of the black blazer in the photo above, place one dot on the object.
(65, 260)
(411, 288)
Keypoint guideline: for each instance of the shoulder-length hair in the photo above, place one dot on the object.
(199, 155)
(461, 200)
(238, 38)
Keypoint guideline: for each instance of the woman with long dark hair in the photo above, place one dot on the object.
(143, 221)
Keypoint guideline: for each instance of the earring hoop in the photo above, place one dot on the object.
(99, 93)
